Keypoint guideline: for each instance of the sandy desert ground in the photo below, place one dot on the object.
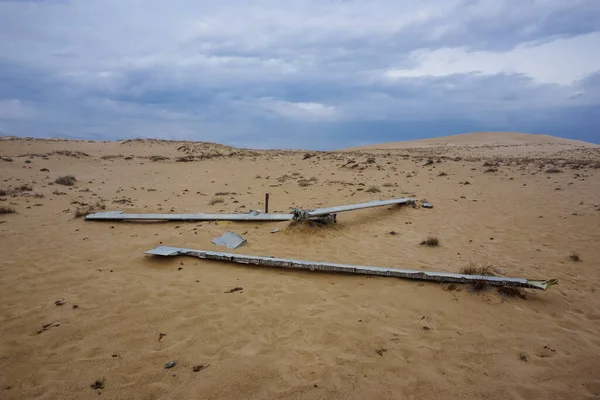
(84, 314)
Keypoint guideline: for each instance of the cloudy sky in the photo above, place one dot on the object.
(317, 74)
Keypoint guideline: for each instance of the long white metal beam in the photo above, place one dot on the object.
(317, 212)
(120, 216)
(353, 269)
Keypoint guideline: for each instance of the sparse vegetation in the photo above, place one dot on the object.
(312, 179)
(98, 385)
(387, 184)
(185, 159)
(258, 177)
(370, 160)
(68, 153)
(553, 170)
(224, 193)
(7, 210)
(307, 156)
(431, 241)
(429, 162)
(66, 180)
(574, 257)
(20, 191)
(158, 158)
(89, 209)
(474, 269)
(7, 159)
(304, 182)
(373, 189)
(509, 291)
(59, 193)
(111, 156)
(216, 200)
(489, 170)
(442, 174)
(490, 164)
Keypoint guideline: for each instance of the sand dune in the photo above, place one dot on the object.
(489, 140)
(80, 302)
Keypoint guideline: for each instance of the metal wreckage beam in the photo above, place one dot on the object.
(296, 214)
(354, 269)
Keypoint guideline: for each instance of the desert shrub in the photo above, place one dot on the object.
(216, 200)
(431, 241)
(158, 158)
(66, 180)
(89, 209)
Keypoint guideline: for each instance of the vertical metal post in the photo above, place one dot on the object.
(266, 202)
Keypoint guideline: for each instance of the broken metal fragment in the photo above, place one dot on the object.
(231, 240)
(354, 269)
(317, 213)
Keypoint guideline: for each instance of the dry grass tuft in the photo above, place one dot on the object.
(19, 191)
(574, 257)
(158, 158)
(388, 184)
(7, 210)
(512, 292)
(373, 189)
(431, 241)
(487, 171)
(553, 170)
(474, 269)
(89, 209)
(216, 200)
(283, 178)
(307, 156)
(112, 156)
(67, 180)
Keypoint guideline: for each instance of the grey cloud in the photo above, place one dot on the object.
(268, 73)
